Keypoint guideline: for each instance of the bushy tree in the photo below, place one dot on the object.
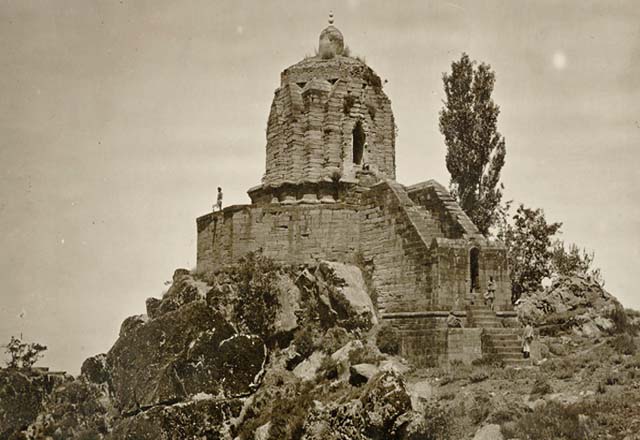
(574, 261)
(23, 354)
(529, 246)
(257, 302)
(475, 149)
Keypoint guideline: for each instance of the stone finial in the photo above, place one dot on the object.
(331, 41)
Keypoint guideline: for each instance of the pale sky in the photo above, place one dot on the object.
(118, 119)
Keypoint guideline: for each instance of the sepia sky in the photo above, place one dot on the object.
(118, 119)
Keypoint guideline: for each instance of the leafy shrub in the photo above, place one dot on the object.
(329, 368)
(541, 387)
(286, 407)
(334, 339)
(603, 416)
(624, 344)
(88, 434)
(388, 340)
(488, 360)
(552, 421)
(437, 424)
(257, 302)
(613, 379)
(529, 244)
(303, 341)
(574, 261)
(363, 355)
(478, 375)
(22, 354)
(288, 416)
(621, 322)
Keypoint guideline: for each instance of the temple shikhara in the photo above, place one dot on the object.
(329, 192)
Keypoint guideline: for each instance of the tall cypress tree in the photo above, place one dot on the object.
(475, 149)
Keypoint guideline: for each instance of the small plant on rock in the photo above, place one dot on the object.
(22, 354)
(624, 344)
(303, 341)
(436, 425)
(334, 339)
(541, 387)
(329, 368)
(388, 340)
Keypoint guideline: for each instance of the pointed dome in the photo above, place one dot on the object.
(329, 113)
(331, 42)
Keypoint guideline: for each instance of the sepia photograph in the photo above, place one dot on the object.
(319, 220)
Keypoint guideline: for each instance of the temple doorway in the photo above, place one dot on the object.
(474, 259)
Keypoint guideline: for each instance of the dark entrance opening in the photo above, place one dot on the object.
(474, 259)
(358, 143)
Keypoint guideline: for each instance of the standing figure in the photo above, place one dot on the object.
(219, 200)
(527, 338)
(490, 296)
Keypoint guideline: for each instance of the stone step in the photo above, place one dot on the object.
(483, 315)
(483, 318)
(479, 306)
(503, 344)
(422, 334)
(504, 330)
(500, 336)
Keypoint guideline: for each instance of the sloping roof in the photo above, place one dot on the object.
(449, 203)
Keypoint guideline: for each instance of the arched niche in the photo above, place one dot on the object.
(359, 139)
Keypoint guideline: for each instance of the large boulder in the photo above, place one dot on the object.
(21, 397)
(384, 400)
(351, 285)
(489, 432)
(184, 290)
(78, 409)
(94, 369)
(179, 354)
(577, 304)
(202, 418)
(290, 301)
(374, 415)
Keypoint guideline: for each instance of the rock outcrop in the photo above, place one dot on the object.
(191, 366)
(575, 304)
(179, 354)
(22, 395)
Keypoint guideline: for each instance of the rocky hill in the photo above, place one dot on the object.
(259, 351)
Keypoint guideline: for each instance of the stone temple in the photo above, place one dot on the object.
(329, 192)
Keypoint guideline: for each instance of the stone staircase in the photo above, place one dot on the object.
(498, 340)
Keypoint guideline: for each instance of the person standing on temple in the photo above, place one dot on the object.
(219, 200)
(527, 339)
(490, 296)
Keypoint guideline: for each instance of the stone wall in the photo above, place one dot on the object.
(392, 244)
(426, 340)
(464, 344)
(290, 234)
(451, 273)
(452, 283)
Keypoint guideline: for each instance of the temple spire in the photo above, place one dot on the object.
(330, 17)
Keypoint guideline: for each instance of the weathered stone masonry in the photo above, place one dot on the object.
(329, 193)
